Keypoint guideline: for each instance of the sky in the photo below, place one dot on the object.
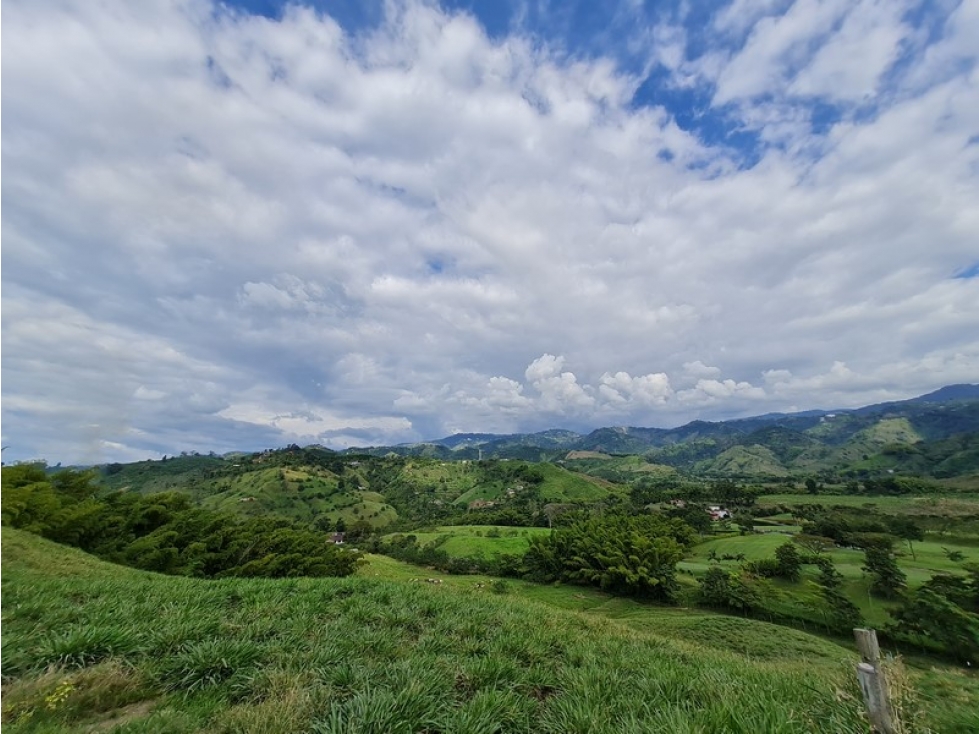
(238, 226)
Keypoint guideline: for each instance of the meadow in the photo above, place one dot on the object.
(90, 647)
(477, 541)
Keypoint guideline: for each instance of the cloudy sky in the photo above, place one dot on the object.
(236, 226)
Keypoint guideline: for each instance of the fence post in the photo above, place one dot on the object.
(873, 683)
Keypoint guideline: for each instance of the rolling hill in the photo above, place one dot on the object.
(931, 435)
(94, 647)
(313, 485)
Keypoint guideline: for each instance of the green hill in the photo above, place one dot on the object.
(310, 486)
(90, 647)
(744, 461)
(933, 435)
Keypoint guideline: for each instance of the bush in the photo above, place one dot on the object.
(766, 567)
(727, 590)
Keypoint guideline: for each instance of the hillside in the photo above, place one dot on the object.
(89, 646)
(153, 653)
(932, 435)
(309, 485)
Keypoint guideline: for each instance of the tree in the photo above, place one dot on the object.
(359, 530)
(341, 525)
(632, 555)
(932, 617)
(815, 544)
(693, 515)
(789, 561)
(745, 522)
(811, 486)
(722, 588)
(841, 614)
(906, 528)
(887, 579)
(956, 556)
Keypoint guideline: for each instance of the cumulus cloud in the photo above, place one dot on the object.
(644, 390)
(229, 231)
(559, 390)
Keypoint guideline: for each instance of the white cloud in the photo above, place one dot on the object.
(849, 65)
(559, 391)
(223, 231)
(644, 390)
(776, 48)
(699, 369)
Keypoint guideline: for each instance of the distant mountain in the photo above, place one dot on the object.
(855, 441)
(950, 393)
(935, 436)
(947, 394)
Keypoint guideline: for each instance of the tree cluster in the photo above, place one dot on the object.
(631, 555)
(942, 614)
(164, 532)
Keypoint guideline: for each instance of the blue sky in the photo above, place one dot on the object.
(241, 226)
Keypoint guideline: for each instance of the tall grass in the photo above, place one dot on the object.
(360, 655)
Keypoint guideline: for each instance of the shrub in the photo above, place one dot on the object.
(765, 567)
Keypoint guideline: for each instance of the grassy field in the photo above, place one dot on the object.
(478, 541)
(93, 648)
(948, 695)
(953, 506)
(297, 494)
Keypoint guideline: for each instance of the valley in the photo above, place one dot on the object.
(304, 588)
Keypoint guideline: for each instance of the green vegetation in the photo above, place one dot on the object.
(163, 532)
(719, 535)
(630, 555)
(140, 652)
(478, 541)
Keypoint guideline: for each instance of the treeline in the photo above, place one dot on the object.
(940, 616)
(651, 490)
(631, 555)
(623, 554)
(164, 532)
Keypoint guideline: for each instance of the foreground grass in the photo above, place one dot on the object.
(88, 647)
(947, 697)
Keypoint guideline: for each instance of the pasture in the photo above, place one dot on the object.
(477, 541)
(129, 651)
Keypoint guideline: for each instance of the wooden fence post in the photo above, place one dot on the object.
(873, 683)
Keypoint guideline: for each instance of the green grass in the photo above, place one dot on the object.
(94, 647)
(754, 547)
(360, 655)
(949, 695)
(479, 541)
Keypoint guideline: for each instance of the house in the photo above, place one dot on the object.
(680, 504)
(718, 513)
(337, 538)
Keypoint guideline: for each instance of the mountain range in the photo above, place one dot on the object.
(936, 434)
